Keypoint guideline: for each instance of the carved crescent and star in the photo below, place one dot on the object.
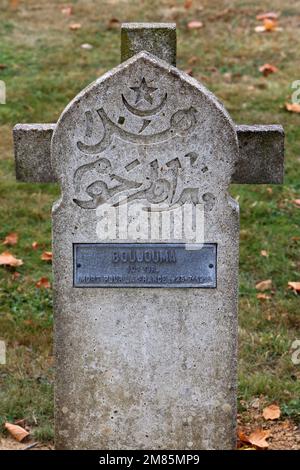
(144, 93)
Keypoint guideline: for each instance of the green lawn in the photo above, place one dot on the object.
(44, 68)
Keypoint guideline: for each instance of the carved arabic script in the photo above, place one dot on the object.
(111, 176)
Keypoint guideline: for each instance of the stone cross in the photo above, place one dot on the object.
(146, 326)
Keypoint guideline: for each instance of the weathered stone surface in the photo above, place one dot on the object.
(157, 38)
(261, 157)
(32, 152)
(260, 161)
(144, 368)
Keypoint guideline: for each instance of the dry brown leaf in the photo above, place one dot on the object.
(270, 15)
(242, 440)
(113, 23)
(264, 285)
(268, 26)
(11, 239)
(188, 4)
(46, 256)
(264, 253)
(67, 10)
(267, 69)
(189, 72)
(258, 438)
(270, 190)
(293, 107)
(74, 26)
(16, 431)
(34, 245)
(193, 60)
(15, 276)
(14, 4)
(7, 259)
(195, 24)
(263, 297)
(242, 436)
(295, 286)
(43, 283)
(271, 412)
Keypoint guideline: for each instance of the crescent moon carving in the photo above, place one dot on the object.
(146, 112)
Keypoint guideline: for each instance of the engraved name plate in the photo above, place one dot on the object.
(144, 265)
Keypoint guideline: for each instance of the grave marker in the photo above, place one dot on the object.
(146, 317)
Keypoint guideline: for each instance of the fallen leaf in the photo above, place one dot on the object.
(296, 202)
(264, 253)
(268, 26)
(16, 431)
(7, 259)
(189, 72)
(270, 15)
(193, 60)
(264, 285)
(86, 46)
(11, 239)
(2, 66)
(263, 297)
(43, 283)
(34, 245)
(270, 190)
(294, 285)
(293, 107)
(47, 256)
(188, 4)
(14, 4)
(195, 24)
(74, 26)
(271, 412)
(242, 436)
(267, 69)
(258, 438)
(67, 10)
(113, 23)
(242, 440)
(15, 276)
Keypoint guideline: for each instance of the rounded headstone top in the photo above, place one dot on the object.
(146, 131)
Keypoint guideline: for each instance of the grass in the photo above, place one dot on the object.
(44, 68)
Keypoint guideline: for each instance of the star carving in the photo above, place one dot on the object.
(143, 92)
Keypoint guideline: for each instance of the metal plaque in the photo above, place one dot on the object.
(144, 265)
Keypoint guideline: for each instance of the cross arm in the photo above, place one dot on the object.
(32, 152)
(260, 160)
